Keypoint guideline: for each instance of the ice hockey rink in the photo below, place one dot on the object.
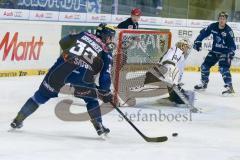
(213, 134)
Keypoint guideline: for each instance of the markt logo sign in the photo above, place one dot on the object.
(16, 49)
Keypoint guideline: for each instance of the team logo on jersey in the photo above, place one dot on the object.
(231, 33)
(224, 34)
(218, 39)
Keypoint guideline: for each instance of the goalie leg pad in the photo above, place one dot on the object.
(158, 71)
(150, 78)
(168, 73)
(190, 96)
(173, 97)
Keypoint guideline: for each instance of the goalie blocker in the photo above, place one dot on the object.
(170, 70)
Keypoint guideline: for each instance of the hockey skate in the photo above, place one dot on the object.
(101, 130)
(16, 124)
(200, 87)
(228, 90)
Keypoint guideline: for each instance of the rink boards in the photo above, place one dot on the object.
(31, 47)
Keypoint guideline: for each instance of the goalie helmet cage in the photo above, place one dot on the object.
(136, 52)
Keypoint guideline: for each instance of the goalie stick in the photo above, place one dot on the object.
(161, 77)
(148, 139)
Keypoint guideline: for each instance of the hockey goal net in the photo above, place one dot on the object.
(136, 52)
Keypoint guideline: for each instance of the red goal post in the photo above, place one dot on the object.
(136, 51)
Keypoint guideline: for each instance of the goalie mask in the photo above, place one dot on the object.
(185, 46)
(106, 33)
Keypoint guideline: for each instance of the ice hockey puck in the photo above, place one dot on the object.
(175, 134)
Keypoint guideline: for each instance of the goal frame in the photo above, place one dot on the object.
(119, 55)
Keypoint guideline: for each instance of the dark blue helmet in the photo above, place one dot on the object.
(103, 31)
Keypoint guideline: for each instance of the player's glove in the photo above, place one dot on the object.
(197, 45)
(111, 46)
(105, 96)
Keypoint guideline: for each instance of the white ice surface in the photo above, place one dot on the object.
(212, 135)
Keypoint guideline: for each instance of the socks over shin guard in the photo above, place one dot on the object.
(28, 108)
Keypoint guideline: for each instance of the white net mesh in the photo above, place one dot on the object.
(136, 52)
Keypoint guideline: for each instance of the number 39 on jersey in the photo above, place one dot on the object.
(81, 49)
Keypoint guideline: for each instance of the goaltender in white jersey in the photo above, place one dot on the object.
(170, 70)
(174, 61)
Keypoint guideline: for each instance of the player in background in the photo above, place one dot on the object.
(223, 51)
(128, 41)
(132, 22)
(84, 56)
(170, 69)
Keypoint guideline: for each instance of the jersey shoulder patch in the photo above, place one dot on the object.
(231, 33)
(229, 30)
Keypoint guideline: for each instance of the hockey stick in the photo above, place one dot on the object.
(178, 92)
(148, 139)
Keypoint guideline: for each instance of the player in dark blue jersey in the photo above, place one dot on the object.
(223, 51)
(84, 56)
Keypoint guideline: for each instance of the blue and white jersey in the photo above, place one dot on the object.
(92, 57)
(223, 39)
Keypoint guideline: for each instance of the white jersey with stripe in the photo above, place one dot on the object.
(174, 58)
